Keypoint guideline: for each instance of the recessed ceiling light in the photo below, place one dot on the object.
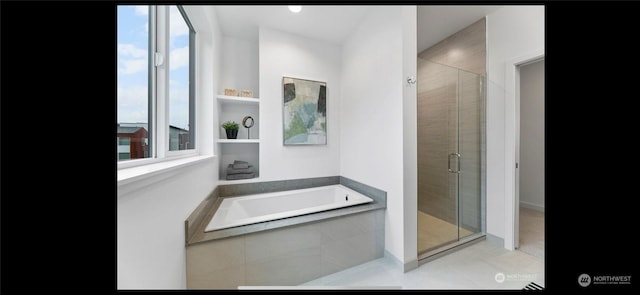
(295, 8)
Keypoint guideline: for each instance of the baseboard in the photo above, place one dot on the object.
(411, 265)
(405, 266)
(495, 240)
(395, 260)
(532, 206)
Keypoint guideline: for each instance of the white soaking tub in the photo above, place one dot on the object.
(238, 211)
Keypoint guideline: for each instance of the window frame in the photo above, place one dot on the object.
(158, 89)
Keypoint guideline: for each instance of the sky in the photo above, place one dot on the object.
(132, 50)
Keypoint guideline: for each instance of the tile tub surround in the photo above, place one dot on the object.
(288, 255)
(227, 191)
(196, 217)
(287, 251)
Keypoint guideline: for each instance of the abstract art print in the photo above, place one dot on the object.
(304, 111)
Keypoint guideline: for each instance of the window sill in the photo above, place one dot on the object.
(134, 178)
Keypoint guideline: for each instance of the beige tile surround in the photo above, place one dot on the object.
(286, 256)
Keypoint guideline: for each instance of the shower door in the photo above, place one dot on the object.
(449, 140)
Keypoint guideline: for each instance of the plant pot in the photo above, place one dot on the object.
(232, 134)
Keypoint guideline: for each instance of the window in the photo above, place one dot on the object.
(124, 148)
(124, 141)
(180, 115)
(133, 72)
(156, 82)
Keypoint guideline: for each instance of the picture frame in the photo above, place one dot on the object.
(304, 105)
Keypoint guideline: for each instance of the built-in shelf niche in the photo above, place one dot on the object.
(235, 109)
(239, 71)
(246, 147)
(230, 152)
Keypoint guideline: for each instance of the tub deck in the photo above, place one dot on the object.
(288, 251)
(245, 210)
(198, 234)
(202, 236)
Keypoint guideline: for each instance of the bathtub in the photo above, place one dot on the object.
(243, 210)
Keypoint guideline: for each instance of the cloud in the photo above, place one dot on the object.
(131, 50)
(133, 104)
(179, 95)
(179, 57)
(179, 108)
(175, 83)
(131, 59)
(132, 66)
(142, 9)
(177, 24)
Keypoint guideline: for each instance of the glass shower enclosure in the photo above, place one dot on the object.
(450, 156)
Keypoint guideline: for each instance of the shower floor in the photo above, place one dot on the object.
(434, 232)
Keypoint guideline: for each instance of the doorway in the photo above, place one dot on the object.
(530, 159)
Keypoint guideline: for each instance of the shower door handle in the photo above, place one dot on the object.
(449, 162)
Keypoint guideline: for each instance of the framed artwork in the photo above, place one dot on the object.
(304, 111)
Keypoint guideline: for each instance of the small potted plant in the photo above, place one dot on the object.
(231, 127)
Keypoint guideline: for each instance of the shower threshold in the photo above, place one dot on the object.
(450, 248)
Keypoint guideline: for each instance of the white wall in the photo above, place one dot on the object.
(410, 136)
(512, 31)
(150, 221)
(208, 52)
(240, 65)
(532, 135)
(371, 125)
(284, 54)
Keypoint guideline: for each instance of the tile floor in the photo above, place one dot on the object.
(434, 232)
(532, 232)
(479, 266)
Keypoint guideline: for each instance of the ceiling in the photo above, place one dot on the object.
(441, 21)
(327, 23)
(333, 24)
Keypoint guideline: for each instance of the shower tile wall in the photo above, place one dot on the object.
(437, 90)
(436, 105)
(465, 50)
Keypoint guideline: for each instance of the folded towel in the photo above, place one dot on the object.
(240, 164)
(241, 176)
(231, 170)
